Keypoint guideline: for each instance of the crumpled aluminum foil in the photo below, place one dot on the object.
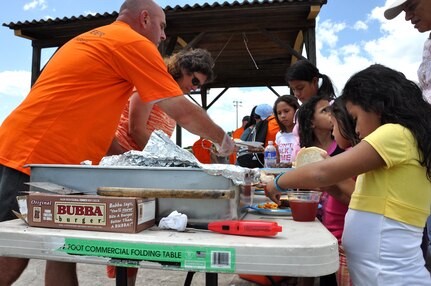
(161, 151)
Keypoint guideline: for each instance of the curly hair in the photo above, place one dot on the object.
(346, 124)
(305, 70)
(197, 60)
(397, 100)
(289, 100)
(305, 117)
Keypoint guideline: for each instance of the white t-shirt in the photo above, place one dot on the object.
(286, 143)
(424, 71)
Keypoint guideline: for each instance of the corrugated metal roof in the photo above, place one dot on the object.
(114, 14)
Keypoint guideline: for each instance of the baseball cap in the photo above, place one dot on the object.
(395, 9)
(263, 110)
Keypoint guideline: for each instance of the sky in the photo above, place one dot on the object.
(350, 36)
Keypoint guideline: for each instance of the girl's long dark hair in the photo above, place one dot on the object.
(251, 120)
(289, 100)
(305, 70)
(345, 122)
(398, 100)
(307, 138)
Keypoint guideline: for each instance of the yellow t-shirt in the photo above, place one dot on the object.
(400, 190)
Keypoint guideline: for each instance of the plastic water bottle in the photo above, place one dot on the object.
(270, 155)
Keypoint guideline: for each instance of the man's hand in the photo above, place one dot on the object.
(227, 146)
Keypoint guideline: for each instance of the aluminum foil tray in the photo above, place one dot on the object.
(88, 178)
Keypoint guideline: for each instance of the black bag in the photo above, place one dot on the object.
(257, 134)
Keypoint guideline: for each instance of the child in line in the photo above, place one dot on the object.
(392, 196)
(284, 109)
(339, 195)
(305, 81)
(315, 129)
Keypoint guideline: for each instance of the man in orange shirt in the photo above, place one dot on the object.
(72, 111)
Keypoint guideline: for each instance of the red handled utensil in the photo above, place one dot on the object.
(245, 227)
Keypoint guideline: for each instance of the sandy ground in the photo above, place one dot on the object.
(94, 275)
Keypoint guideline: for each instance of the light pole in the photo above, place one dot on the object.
(237, 104)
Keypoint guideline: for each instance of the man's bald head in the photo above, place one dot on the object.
(145, 17)
(134, 7)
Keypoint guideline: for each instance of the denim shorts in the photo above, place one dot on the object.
(11, 185)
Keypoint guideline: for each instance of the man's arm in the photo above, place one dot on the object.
(139, 112)
(115, 148)
(196, 120)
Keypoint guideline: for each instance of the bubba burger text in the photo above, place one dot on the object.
(93, 214)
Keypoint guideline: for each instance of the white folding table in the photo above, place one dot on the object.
(302, 249)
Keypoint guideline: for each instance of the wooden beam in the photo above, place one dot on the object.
(204, 98)
(273, 90)
(181, 42)
(19, 33)
(35, 64)
(310, 45)
(314, 11)
(195, 41)
(217, 97)
(299, 43)
(282, 44)
(166, 49)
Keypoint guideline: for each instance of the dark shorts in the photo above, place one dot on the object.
(11, 185)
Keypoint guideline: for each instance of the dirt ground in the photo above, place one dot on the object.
(95, 275)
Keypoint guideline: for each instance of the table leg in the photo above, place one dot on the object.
(121, 277)
(211, 279)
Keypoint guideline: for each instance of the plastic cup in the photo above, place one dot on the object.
(304, 204)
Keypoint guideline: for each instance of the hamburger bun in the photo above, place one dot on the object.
(309, 155)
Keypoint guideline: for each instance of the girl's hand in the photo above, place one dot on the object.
(272, 193)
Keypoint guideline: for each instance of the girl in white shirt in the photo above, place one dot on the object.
(284, 109)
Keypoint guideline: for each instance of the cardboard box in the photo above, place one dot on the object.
(90, 212)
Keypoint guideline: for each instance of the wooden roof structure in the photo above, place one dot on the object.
(253, 42)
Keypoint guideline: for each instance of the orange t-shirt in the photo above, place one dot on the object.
(202, 154)
(235, 135)
(273, 128)
(72, 111)
(158, 120)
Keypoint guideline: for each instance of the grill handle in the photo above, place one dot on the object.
(166, 193)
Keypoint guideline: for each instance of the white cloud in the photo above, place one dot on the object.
(41, 4)
(89, 13)
(15, 83)
(399, 48)
(328, 32)
(14, 86)
(360, 25)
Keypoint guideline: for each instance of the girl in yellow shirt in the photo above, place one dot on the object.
(392, 197)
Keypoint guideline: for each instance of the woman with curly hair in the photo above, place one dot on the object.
(190, 69)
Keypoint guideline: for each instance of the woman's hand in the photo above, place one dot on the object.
(272, 193)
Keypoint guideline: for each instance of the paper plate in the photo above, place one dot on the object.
(279, 212)
(254, 144)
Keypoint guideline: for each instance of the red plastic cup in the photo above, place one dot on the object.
(304, 204)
